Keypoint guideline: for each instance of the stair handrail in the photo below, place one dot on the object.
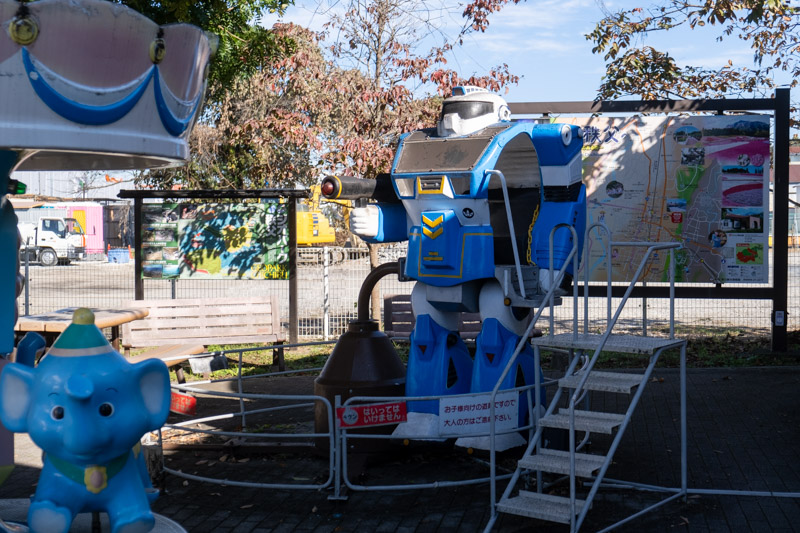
(555, 282)
(587, 272)
(494, 172)
(581, 384)
(572, 256)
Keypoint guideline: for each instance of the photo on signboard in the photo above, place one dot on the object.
(742, 193)
(717, 238)
(693, 157)
(170, 271)
(188, 211)
(149, 234)
(676, 205)
(615, 189)
(742, 220)
(152, 271)
(172, 253)
(152, 254)
(168, 234)
(152, 216)
(172, 214)
(687, 135)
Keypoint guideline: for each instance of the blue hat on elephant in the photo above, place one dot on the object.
(81, 338)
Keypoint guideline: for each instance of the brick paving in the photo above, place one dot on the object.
(744, 434)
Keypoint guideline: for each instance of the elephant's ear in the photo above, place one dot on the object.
(154, 385)
(16, 388)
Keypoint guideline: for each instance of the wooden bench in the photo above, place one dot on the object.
(174, 330)
(399, 320)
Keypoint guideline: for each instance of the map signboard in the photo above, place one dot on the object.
(213, 240)
(702, 181)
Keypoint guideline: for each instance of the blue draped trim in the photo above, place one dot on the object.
(106, 114)
(75, 111)
(173, 124)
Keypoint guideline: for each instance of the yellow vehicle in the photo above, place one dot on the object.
(313, 228)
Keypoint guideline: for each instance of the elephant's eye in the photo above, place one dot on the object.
(57, 413)
(106, 409)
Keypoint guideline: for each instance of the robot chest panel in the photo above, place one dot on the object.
(445, 252)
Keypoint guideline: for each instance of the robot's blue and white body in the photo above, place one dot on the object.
(463, 235)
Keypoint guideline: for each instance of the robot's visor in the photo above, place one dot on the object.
(467, 110)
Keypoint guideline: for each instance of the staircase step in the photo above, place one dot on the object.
(615, 343)
(557, 462)
(603, 381)
(596, 422)
(541, 506)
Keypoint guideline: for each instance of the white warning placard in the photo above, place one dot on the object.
(470, 415)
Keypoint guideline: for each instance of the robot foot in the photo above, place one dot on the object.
(419, 426)
(503, 442)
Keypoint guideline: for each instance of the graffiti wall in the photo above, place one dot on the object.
(215, 240)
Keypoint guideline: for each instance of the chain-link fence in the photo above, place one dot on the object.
(328, 291)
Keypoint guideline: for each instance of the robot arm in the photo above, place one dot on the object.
(384, 221)
(380, 223)
(563, 198)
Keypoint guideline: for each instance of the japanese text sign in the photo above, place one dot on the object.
(371, 415)
(470, 415)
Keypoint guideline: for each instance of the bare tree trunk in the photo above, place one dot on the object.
(375, 299)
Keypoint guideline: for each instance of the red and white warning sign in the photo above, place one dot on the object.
(379, 414)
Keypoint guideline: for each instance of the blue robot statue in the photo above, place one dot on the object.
(477, 198)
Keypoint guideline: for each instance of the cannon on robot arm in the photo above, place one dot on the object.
(383, 221)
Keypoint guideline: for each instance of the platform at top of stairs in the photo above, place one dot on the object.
(615, 343)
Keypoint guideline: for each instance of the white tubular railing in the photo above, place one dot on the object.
(550, 297)
(512, 233)
(579, 388)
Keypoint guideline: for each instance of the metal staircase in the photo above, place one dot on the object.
(570, 409)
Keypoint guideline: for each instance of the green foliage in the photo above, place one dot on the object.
(243, 47)
(296, 111)
(770, 27)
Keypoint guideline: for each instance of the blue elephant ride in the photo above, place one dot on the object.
(87, 408)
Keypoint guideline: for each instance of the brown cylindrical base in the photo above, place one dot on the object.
(363, 363)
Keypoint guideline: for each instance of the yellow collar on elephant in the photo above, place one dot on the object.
(93, 477)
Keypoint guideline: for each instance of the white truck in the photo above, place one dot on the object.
(52, 240)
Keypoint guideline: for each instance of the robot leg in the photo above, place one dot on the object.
(439, 364)
(500, 334)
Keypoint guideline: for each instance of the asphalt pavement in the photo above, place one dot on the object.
(744, 435)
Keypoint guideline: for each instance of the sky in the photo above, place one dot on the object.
(543, 41)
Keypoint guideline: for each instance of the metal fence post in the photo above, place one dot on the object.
(294, 324)
(325, 293)
(27, 281)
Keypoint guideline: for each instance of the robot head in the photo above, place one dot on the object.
(470, 109)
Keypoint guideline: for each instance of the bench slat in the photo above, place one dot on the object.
(210, 310)
(238, 322)
(222, 339)
(169, 351)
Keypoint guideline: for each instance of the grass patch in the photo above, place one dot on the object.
(714, 347)
(257, 362)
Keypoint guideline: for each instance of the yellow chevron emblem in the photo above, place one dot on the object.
(432, 222)
(432, 234)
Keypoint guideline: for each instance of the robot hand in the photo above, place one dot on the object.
(365, 221)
